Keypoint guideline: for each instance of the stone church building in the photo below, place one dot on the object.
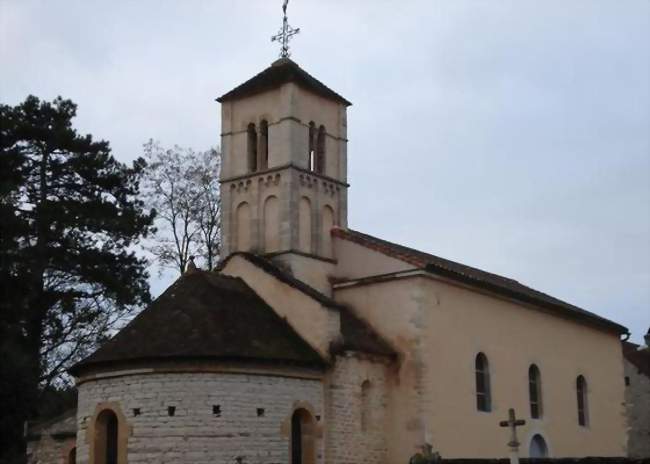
(315, 343)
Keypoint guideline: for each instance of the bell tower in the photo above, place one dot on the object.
(284, 168)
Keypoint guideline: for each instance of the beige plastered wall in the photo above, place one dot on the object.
(438, 328)
(317, 325)
(315, 272)
(355, 261)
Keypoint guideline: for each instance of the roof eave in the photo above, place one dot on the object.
(83, 368)
(594, 320)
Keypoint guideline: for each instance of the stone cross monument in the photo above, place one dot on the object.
(513, 444)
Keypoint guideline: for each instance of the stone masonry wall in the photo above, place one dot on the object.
(52, 442)
(637, 403)
(347, 440)
(49, 450)
(195, 434)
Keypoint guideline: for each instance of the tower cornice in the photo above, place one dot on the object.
(252, 175)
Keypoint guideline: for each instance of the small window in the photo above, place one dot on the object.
(72, 456)
(264, 145)
(627, 381)
(311, 159)
(535, 391)
(252, 148)
(483, 396)
(583, 410)
(320, 150)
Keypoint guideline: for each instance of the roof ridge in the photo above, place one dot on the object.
(278, 73)
(473, 276)
(205, 315)
(420, 252)
(282, 275)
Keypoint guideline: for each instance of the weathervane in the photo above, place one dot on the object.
(285, 34)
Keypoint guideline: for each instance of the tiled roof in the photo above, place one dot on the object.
(62, 426)
(203, 316)
(638, 358)
(475, 277)
(280, 72)
(357, 335)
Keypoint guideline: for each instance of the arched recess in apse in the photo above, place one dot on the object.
(327, 223)
(304, 225)
(243, 227)
(271, 220)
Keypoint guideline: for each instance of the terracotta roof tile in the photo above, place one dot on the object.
(476, 277)
(638, 358)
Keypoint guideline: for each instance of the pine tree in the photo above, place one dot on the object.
(70, 219)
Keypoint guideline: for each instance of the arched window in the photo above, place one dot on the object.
(365, 405)
(303, 440)
(320, 150)
(252, 148)
(72, 456)
(583, 410)
(264, 145)
(106, 434)
(311, 159)
(535, 391)
(483, 396)
(538, 448)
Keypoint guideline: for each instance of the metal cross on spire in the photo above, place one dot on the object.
(285, 34)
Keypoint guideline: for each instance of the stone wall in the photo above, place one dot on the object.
(356, 414)
(637, 402)
(52, 442)
(217, 418)
(589, 460)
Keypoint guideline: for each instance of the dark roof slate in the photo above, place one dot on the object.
(281, 72)
(205, 315)
(639, 358)
(359, 336)
(61, 426)
(476, 277)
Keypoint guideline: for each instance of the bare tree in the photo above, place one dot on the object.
(206, 174)
(183, 186)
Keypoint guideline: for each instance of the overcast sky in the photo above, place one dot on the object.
(509, 135)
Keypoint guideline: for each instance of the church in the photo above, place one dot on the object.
(315, 343)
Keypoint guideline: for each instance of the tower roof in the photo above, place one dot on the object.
(281, 72)
(205, 316)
